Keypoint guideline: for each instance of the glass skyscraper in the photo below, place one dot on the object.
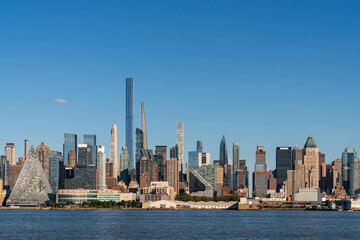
(223, 156)
(129, 131)
(348, 156)
(56, 172)
(70, 143)
(200, 146)
(139, 143)
(91, 141)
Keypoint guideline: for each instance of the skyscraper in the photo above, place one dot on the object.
(101, 168)
(43, 154)
(297, 156)
(124, 166)
(200, 146)
(10, 153)
(180, 143)
(236, 156)
(312, 164)
(139, 143)
(56, 171)
(90, 140)
(173, 173)
(348, 156)
(113, 149)
(70, 143)
(129, 131)
(223, 156)
(85, 155)
(161, 155)
(284, 162)
(143, 125)
(203, 159)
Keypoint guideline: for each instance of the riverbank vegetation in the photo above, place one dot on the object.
(94, 204)
(187, 198)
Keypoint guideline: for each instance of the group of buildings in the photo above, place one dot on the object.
(82, 171)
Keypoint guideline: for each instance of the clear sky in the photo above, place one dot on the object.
(261, 72)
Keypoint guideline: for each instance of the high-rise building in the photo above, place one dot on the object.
(348, 155)
(143, 126)
(70, 143)
(10, 153)
(260, 159)
(236, 156)
(101, 168)
(43, 154)
(203, 159)
(312, 164)
(193, 157)
(71, 159)
(25, 149)
(129, 131)
(337, 172)
(180, 144)
(174, 152)
(85, 155)
(260, 176)
(202, 180)
(124, 166)
(161, 153)
(113, 149)
(56, 171)
(284, 162)
(297, 156)
(31, 187)
(200, 146)
(90, 140)
(223, 156)
(5, 171)
(173, 173)
(354, 177)
(146, 172)
(139, 143)
(295, 181)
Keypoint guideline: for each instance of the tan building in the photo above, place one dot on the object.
(295, 180)
(2, 193)
(43, 153)
(14, 174)
(10, 153)
(312, 164)
(173, 173)
(71, 158)
(113, 150)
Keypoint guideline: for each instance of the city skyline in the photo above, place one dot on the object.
(255, 72)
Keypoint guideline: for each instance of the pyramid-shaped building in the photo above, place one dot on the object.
(31, 187)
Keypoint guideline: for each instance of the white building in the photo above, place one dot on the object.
(113, 150)
(203, 158)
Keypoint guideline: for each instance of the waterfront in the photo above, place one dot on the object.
(143, 224)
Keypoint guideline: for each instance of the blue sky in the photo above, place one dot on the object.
(260, 72)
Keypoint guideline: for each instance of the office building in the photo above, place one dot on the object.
(348, 156)
(32, 186)
(143, 125)
(10, 153)
(90, 140)
(43, 154)
(71, 158)
(5, 171)
(87, 195)
(113, 149)
(312, 164)
(193, 158)
(139, 143)
(161, 153)
(297, 156)
(85, 155)
(200, 146)
(70, 144)
(102, 168)
(284, 162)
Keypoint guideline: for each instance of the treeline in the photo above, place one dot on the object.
(96, 204)
(187, 198)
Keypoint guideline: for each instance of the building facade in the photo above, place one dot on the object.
(129, 128)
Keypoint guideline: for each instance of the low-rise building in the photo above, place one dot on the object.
(87, 195)
(157, 191)
(168, 204)
(308, 195)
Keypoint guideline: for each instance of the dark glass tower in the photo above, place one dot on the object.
(69, 144)
(91, 141)
(139, 143)
(129, 131)
(223, 156)
(284, 163)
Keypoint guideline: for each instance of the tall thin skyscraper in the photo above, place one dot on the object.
(223, 156)
(90, 140)
(129, 131)
(26, 149)
(101, 168)
(312, 164)
(236, 156)
(113, 149)
(124, 165)
(143, 125)
(139, 143)
(10, 152)
(348, 157)
(70, 143)
(180, 143)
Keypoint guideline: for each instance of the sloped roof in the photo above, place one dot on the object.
(310, 143)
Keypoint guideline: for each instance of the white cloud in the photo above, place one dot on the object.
(60, 100)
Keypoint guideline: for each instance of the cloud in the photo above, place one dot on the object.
(60, 100)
